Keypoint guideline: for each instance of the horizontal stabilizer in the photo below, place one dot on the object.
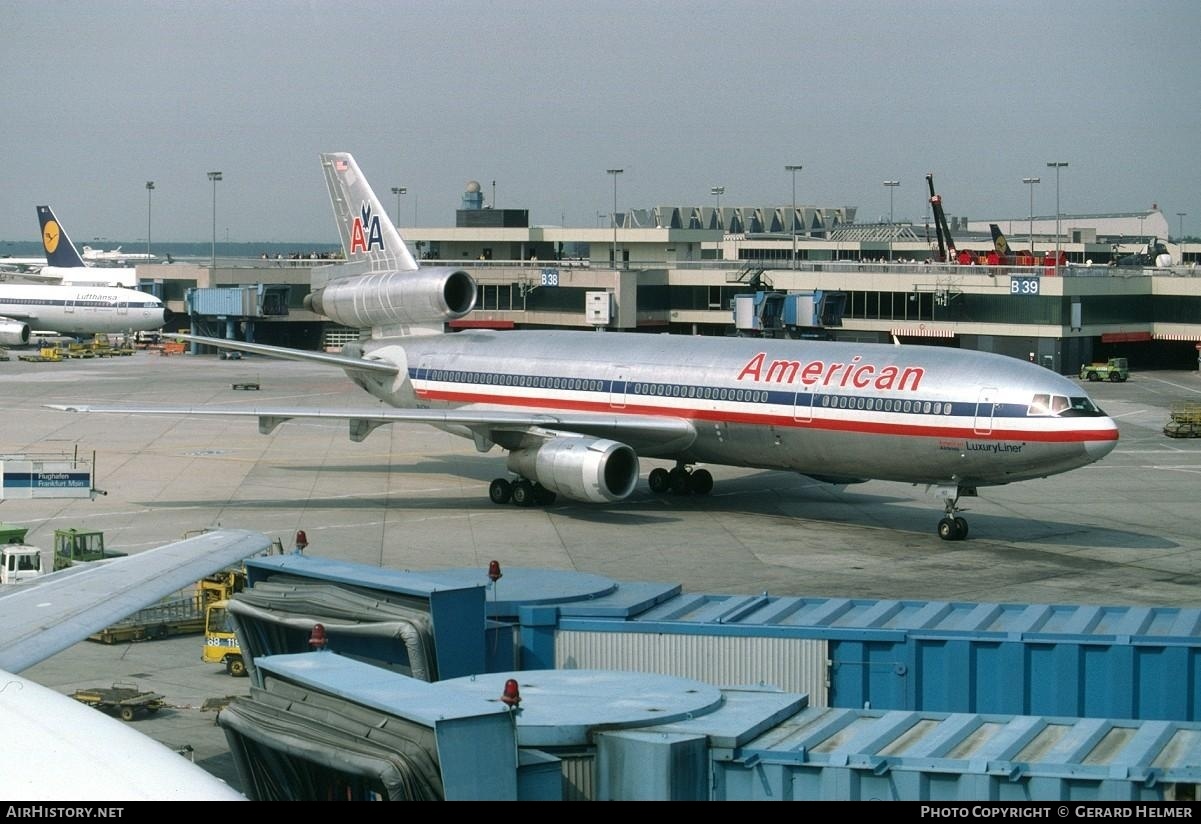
(284, 353)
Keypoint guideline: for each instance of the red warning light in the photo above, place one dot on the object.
(302, 540)
(494, 574)
(511, 696)
(317, 640)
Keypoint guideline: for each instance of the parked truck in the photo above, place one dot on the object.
(18, 561)
(1115, 369)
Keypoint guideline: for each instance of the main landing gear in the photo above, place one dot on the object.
(520, 492)
(953, 527)
(680, 481)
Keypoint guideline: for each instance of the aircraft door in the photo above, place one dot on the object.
(122, 308)
(69, 305)
(802, 406)
(617, 386)
(985, 405)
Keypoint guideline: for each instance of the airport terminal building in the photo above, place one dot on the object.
(683, 270)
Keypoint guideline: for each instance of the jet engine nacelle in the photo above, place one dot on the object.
(385, 298)
(13, 333)
(583, 469)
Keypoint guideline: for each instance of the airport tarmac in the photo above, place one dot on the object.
(1122, 531)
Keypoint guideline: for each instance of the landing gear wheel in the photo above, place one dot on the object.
(700, 482)
(677, 481)
(523, 493)
(947, 530)
(543, 496)
(960, 528)
(659, 480)
(500, 491)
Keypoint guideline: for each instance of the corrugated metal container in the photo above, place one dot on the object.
(791, 664)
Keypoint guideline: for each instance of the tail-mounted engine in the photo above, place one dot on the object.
(13, 333)
(385, 298)
(583, 469)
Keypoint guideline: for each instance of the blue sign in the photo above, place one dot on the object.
(550, 277)
(1023, 285)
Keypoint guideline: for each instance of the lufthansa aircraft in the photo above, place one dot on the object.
(75, 310)
(576, 410)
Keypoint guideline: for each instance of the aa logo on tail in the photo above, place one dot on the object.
(365, 233)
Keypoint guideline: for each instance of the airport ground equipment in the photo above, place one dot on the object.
(181, 614)
(45, 354)
(1115, 370)
(72, 546)
(123, 700)
(18, 561)
(1185, 420)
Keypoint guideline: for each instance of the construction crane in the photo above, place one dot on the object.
(946, 246)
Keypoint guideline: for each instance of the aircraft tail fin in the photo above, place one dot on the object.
(368, 236)
(60, 251)
(998, 240)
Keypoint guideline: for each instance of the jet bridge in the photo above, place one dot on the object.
(401, 621)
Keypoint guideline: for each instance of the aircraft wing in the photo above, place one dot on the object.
(49, 614)
(644, 433)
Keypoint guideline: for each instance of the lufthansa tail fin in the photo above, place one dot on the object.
(367, 233)
(998, 240)
(60, 251)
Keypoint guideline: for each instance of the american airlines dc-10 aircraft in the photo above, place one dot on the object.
(576, 410)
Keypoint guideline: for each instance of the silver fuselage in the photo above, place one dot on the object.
(841, 411)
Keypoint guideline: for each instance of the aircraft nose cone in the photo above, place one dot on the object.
(1099, 447)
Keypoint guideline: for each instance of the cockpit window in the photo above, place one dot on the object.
(1063, 406)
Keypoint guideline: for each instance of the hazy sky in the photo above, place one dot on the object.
(542, 97)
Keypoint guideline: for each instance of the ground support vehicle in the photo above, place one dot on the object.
(123, 700)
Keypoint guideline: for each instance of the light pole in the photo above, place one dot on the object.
(1030, 181)
(892, 186)
(1181, 215)
(1057, 165)
(717, 192)
(792, 220)
(615, 173)
(398, 191)
(214, 176)
(149, 190)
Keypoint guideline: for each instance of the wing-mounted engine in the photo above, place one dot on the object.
(13, 332)
(583, 469)
(432, 295)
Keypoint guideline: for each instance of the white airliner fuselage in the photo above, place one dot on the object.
(76, 310)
